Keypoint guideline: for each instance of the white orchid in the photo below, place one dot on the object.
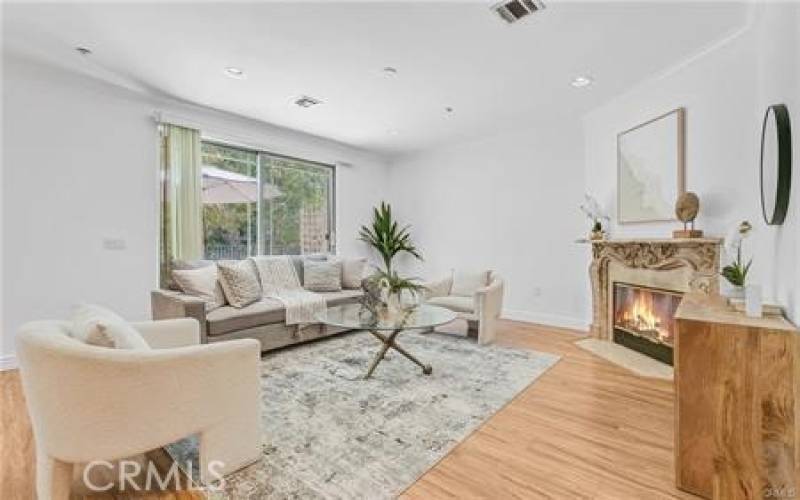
(593, 211)
(736, 271)
(737, 234)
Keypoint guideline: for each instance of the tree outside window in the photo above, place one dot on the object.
(274, 205)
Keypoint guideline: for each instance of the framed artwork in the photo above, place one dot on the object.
(650, 169)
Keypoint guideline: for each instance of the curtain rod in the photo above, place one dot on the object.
(220, 134)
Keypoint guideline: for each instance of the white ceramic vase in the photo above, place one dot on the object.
(394, 305)
(736, 292)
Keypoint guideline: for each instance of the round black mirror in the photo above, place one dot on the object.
(776, 164)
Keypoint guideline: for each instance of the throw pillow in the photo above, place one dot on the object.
(352, 272)
(465, 284)
(322, 276)
(182, 265)
(239, 282)
(297, 262)
(202, 283)
(98, 326)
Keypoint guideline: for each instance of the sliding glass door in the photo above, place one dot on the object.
(296, 211)
(230, 198)
(257, 203)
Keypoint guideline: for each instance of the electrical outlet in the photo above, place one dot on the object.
(114, 244)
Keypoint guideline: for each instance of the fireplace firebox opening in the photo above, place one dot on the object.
(644, 319)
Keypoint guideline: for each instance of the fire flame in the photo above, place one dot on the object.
(640, 315)
(641, 312)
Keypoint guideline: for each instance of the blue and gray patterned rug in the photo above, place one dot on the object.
(330, 434)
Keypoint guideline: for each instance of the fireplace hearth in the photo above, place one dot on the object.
(644, 319)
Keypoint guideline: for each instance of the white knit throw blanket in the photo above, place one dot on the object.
(279, 281)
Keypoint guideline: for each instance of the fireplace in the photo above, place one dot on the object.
(644, 320)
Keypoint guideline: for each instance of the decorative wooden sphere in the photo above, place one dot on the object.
(687, 207)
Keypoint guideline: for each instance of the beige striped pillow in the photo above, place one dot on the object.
(239, 282)
(322, 276)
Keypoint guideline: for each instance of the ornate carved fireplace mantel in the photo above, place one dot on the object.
(684, 265)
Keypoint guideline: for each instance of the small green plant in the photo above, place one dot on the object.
(387, 237)
(736, 271)
(395, 284)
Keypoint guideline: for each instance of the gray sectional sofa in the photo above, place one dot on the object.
(263, 320)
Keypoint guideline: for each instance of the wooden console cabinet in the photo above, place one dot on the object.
(737, 387)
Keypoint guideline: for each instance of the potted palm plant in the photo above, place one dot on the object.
(389, 239)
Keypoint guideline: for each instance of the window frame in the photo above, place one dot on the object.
(260, 153)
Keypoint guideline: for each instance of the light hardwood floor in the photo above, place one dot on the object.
(585, 429)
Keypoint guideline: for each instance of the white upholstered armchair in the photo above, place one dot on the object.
(475, 296)
(92, 403)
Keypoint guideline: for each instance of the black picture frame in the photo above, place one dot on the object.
(780, 114)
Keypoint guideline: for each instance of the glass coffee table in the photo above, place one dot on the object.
(386, 329)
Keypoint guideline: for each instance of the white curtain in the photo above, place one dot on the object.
(181, 199)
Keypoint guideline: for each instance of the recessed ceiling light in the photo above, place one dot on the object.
(306, 101)
(390, 71)
(581, 81)
(235, 72)
(84, 51)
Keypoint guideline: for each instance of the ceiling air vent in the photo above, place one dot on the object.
(515, 10)
(306, 101)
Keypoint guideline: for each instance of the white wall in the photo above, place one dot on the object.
(80, 164)
(725, 93)
(508, 203)
(778, 70)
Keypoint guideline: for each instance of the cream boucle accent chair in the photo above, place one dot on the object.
(96, 403)
(481, 310)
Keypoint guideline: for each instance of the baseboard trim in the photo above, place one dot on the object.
(8, 362)
(547, 319)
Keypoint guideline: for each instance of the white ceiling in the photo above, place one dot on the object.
(495, 76)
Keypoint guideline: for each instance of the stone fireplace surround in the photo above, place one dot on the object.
(682, 265)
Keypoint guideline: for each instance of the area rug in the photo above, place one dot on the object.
(627, 358)
(328, 433)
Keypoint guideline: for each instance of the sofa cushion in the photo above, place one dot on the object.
(184, 265)
(228, 319)
(202, 283)
(342, 297)
(239, 281)
(98, 326)
(266, 311)
(352, 272)
(324, 276)
(455, 303)
(297, 262)
(438, 288)
(467, 283)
